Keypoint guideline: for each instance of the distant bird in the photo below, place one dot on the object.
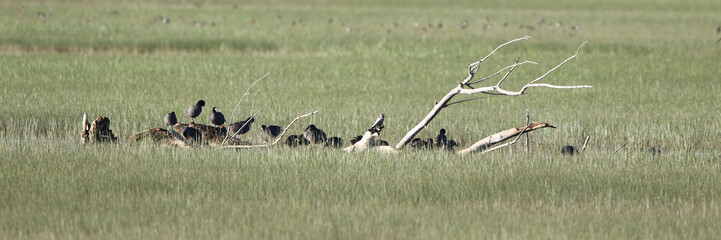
(217, 118)
(382, 143)
(417, 144)
(195, 110)
(654, 150)
(718, 30)
(334, 142)
(192, 134)
(241, 127)
(464, 24)
(568, 150)
(314, 134)
(171, 119)
(441, 139)
(356, 139)
(272, 130)
(451, 145)
(296, 140)
(429, 143)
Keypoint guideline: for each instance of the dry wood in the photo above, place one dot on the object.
(494, 90)
(484, 144)
(584, 144)
(98, 131)
(368, 140)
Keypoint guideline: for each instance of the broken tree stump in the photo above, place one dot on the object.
(97, 132)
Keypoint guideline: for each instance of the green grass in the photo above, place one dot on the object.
(653, 65)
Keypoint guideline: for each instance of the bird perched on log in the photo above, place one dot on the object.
(241, 127)
(314, 134)
(194, 111)
(217, 118)
(191, 134)
(356, 139)
(334, 142)
(441, 139)
(171, 119)
(272, 130)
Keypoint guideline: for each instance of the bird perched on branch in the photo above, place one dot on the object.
(314, 134)
(217, 118)
(195, 110)
(171, 119)
(241, 127)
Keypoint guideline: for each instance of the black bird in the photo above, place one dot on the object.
(568, 150)
(356, 139)
(171, 119)
(451, 145)
(417, 143)
(382, 143)
(429, 143)
(194, 111)
(334, 142)
(718, 30)
(272, 130)
(192, 134)
(296, 140)
(241, 127)
(441, 139)
(314, 134)
(654, 150)
(217, 117)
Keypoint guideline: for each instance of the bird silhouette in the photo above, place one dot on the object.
(191, 134)
(217, 118)
(314, 134)
(272, 130)
(334, 142)
(171, 119)
(296, 140)
(356, 139)
(441, 139)
(568, 150)
(195, 110)
(241, 127)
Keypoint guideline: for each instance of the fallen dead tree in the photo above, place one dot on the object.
(219, 137)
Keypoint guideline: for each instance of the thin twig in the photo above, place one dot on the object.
(500, 71)
(584, 144)
(461, 101)
(528, 121)
(291, 124)
(508, 73)
(232, 114)
(473, 67)
(614, 153)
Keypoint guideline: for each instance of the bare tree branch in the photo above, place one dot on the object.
(584, 144)
(483, 144)
(493, 90)
(232, 114)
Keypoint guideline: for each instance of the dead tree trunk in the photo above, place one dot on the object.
(97, 132)
(465, 87)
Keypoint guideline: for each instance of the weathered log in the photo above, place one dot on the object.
(368, 140)
(97, 132)
(484, 144)
(160, 136)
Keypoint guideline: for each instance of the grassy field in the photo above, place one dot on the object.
(654, 66)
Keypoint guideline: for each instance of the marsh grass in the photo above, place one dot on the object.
(653, 67)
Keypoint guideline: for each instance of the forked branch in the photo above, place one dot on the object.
(493, 90)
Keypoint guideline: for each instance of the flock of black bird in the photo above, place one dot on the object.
(314, 135)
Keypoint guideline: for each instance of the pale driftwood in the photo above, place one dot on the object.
(494, 90)
(484, 144)
(368, 140)
(86, 128)
(280, 136)
(584, 144)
